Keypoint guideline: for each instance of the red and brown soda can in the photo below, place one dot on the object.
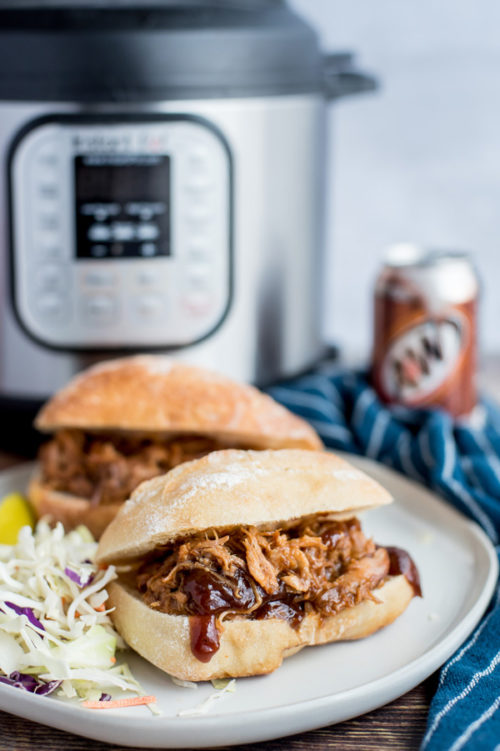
(425, 339)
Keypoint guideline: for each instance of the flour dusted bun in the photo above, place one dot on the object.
(236, 487)
(153, 394)
(148, 398)
(70, 510)
(247, 647)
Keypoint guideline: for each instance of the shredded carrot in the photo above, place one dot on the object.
(112, 659)
(134, 701)
(102, 566)
(77, 614)
(101, 608)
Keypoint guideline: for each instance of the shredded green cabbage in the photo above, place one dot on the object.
(53, 621)
(223, 687)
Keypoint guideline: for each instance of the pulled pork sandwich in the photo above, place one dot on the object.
(236, 560)
(128, 420)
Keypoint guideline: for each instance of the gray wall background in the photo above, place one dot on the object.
(418, 161)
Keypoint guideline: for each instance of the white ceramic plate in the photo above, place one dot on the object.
(320, 685)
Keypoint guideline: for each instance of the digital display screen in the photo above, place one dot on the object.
(122, 206)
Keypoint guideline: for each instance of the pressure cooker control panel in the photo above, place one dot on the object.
(121, 231)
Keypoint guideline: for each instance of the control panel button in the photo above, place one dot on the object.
(52, 306)
(198, 274)
(48, 246)
(199, 174)
(47, 175)
(199, 211)
(150, 306)
(198, 182)
(197, 303)
(100, 211)
(51, 278)
(99, 278)
(199, 158)
(122, 232)
(98, 251)
(48, 190)
(199, 214)
(48, 221)
(147, 278)
(100, 309)
(148, 249)
(147, 231)
(99, 233)
(198, 250)
(47, 156)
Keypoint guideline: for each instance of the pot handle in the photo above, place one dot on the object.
(340, 77)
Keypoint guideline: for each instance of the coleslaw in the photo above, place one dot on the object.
(55, 631)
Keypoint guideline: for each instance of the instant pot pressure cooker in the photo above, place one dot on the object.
(162, 186)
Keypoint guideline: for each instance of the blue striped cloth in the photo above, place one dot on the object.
(462, 464)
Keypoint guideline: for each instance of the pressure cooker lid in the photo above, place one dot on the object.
(150, 50)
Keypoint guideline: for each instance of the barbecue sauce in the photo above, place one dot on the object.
(204, 636)
(209, 594)
(285, 608)
(400, 562)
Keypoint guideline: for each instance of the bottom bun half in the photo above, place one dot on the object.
(70, 510)
(247, 647)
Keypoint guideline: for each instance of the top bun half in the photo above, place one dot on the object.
(154, 394)
(234, 487)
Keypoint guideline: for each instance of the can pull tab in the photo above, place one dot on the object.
(341, 78)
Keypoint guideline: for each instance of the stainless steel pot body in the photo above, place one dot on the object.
(271, 328)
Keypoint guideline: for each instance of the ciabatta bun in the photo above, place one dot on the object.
(69, 509)
(150, 394)
(226, 490)
(235, 487)
(247, 647)
(156, 397)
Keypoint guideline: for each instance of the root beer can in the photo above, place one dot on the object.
(425, 339)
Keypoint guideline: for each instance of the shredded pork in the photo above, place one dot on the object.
(316, 565)
(106, 469)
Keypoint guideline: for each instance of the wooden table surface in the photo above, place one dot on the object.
(399, 725)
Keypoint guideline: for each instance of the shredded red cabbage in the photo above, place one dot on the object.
(77, 579)
(28, 612)
(30, 683)
(105, 697)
